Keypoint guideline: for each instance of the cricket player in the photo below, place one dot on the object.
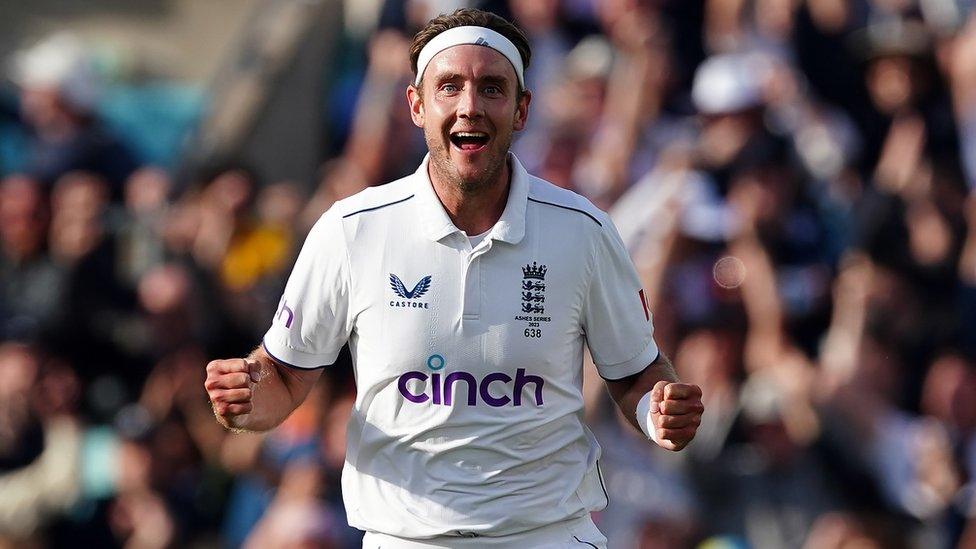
(466, 292)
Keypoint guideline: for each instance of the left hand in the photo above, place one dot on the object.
(676, 411)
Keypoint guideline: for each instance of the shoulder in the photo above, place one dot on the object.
(570, 206)
(349, 216)
(373, 199)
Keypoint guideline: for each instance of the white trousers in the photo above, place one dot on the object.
(578, 533)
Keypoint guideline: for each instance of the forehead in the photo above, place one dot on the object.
(470, 60)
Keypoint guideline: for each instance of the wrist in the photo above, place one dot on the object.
(644, 417)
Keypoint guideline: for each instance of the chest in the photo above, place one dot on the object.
(497, 308)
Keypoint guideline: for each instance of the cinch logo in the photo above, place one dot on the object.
(287, 312)
(439, 390)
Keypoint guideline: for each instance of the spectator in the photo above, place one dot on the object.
(59, 90)
(34, 287)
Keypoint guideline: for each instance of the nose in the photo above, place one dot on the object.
(469, 104)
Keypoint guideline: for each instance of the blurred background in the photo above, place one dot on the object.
(795, 180)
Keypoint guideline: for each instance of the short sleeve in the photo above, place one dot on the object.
(617, 324)
(312, 322)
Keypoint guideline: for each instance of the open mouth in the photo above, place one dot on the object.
(469, 141)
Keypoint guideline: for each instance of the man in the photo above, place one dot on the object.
(59, 92)
(466, 292)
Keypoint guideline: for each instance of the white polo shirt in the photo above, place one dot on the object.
(468, 362)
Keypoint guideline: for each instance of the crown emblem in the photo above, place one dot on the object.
(534, 271)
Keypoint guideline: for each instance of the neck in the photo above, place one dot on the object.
(473, 211)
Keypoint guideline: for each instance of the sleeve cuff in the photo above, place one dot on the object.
(297, 359)
(613, 372)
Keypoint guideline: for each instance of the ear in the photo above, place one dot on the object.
(416, 106)
(522, 110)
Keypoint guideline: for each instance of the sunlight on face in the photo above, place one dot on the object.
(469, 109)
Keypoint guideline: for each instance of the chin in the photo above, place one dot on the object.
(471, 182)
(471, 171)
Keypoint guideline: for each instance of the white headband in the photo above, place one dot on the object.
(470, 35)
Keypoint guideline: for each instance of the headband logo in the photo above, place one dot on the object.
(482, 42)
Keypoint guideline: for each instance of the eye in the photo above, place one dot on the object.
(492, 89)
(449, 88)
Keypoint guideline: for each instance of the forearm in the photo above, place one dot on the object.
(275, 394)
(627, 392)
(761, 301)
(49, 485)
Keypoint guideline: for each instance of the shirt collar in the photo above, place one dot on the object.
(510, 227)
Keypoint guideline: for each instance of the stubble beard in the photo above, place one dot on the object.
(446, 171)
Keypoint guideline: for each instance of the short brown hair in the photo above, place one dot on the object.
(469, 17)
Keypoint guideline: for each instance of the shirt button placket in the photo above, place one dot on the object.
(472, 282)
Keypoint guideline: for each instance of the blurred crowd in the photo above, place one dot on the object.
(795, 180)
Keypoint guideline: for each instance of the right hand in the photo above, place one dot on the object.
(229, 385)
(676, 412)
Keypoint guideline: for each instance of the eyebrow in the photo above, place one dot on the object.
(494, 79)
(488, 79)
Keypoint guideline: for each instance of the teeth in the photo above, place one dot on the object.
(471, 134)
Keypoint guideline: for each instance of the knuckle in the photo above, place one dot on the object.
(239, 409)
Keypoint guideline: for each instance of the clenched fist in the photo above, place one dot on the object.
(675, 413)
(229, 385)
